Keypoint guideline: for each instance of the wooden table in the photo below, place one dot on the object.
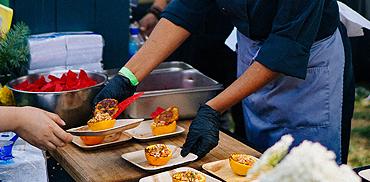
(107, 165)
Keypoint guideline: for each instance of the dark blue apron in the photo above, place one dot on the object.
(309, 109)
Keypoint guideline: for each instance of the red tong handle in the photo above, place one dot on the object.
(124, 104)
(157, 112)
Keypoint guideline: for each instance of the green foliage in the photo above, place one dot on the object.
(14, 51)
(362, 132)
(361, 93)
(359, 154)
(362, 112)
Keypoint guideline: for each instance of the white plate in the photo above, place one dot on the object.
(365, 174)
(121, 125)
(144, 132)
(167, 176)
(122, 138)
(138, 159)
(222, 170)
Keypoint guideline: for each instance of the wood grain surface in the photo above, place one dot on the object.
(107, 165)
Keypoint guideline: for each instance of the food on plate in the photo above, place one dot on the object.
(158, 111)
(109, 106)
(165, 122)
(158, 155)
(92, 140)
(241, 163)
(188, 176)
(100, 121)
(68, 81)
(112, 137)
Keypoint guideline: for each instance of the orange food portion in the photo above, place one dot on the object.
(95, 124)
(101, 125)
(188, 176)
(169, 115)
(160, 130)
(158, 155)
(102, 120)
(241, 163)
(92, 140)
(165, 122)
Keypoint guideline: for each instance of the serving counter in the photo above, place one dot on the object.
(107, 165)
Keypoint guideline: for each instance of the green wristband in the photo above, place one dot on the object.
(127, 73)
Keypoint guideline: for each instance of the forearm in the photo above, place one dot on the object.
(8, 118)
(254, 78)
(160, 3)
(165, 39)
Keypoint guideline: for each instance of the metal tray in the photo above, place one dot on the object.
(186, 89)
(172, 66)
(163, 67)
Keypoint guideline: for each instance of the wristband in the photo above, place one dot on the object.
(156, 11)
(127, 73)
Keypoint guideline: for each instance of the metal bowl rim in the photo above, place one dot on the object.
(62, 92)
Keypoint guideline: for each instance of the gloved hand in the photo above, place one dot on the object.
(203, 133)
(119, 87)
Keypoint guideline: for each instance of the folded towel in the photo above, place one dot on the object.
(52, 51)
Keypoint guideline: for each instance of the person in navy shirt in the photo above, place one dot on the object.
(291, 67)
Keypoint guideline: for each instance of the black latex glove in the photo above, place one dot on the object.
(203, 133)
(119, 88)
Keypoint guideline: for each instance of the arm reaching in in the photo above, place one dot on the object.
(150, 20)
(165, 39)
(254, 78)
(203, 134)
(38, 127)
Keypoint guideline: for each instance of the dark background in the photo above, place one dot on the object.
(361, 45)
(109, 18)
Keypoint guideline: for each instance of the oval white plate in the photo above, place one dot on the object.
(121, 125)
(123, 138)
(167, 176)
(144, 132)
(138, 159)
(365, 174)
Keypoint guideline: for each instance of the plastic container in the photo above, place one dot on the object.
(6, 147)
(135, 41)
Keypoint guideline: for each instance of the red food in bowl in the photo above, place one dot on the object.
(68, 81)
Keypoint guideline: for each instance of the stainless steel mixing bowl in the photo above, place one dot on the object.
(74, 107)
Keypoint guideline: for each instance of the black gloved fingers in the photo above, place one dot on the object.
(119, 88)
(204, 146)
(101, 96)
(191, 139)
(205, 112)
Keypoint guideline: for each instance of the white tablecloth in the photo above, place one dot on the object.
(29, 164)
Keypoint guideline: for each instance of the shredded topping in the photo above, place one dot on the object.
(166, 117)
(162, 123)
(100, 117)
(109, 106)
(188, 176)
(158, 150)
(243, 159)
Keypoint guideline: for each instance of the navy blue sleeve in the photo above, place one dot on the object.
(294, 29)
(189, 14)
